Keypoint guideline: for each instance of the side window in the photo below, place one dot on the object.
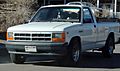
(87, 16)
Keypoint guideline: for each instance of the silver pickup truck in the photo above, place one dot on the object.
(63, 31)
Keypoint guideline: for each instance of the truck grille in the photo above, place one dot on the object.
(42, 37)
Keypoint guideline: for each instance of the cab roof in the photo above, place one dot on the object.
(63, 6)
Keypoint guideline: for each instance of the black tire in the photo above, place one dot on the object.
(17, 58)
(74, 52)
(109, 47)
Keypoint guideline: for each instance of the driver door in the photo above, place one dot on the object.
(89, 30)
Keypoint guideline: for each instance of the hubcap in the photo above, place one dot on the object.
(76, 55)
(111, 47)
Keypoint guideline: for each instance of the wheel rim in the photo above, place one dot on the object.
(111, 47)
(76, 55)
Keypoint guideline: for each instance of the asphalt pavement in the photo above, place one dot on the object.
(91, 61)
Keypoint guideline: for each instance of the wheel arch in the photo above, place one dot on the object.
(111, 34)
(75, 37)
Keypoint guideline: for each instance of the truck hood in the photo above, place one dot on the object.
(41, 26)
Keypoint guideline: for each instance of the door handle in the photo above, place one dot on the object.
(80, 31)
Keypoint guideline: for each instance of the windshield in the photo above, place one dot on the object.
(57, 14)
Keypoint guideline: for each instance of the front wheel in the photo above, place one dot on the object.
(17, 58)
(74, 53)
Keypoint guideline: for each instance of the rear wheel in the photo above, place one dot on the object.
(17, 58)
(109, 47)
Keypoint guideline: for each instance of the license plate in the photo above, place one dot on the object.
(30, 49)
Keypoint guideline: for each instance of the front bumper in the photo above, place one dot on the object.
(43, 48)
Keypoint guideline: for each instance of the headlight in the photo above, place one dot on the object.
(9, 35)
(58, 37)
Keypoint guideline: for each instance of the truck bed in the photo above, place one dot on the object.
(108, 20)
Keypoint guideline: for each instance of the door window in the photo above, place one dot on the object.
(87, 16)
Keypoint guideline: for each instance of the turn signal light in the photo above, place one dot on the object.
(58, 37)
(9, 35)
